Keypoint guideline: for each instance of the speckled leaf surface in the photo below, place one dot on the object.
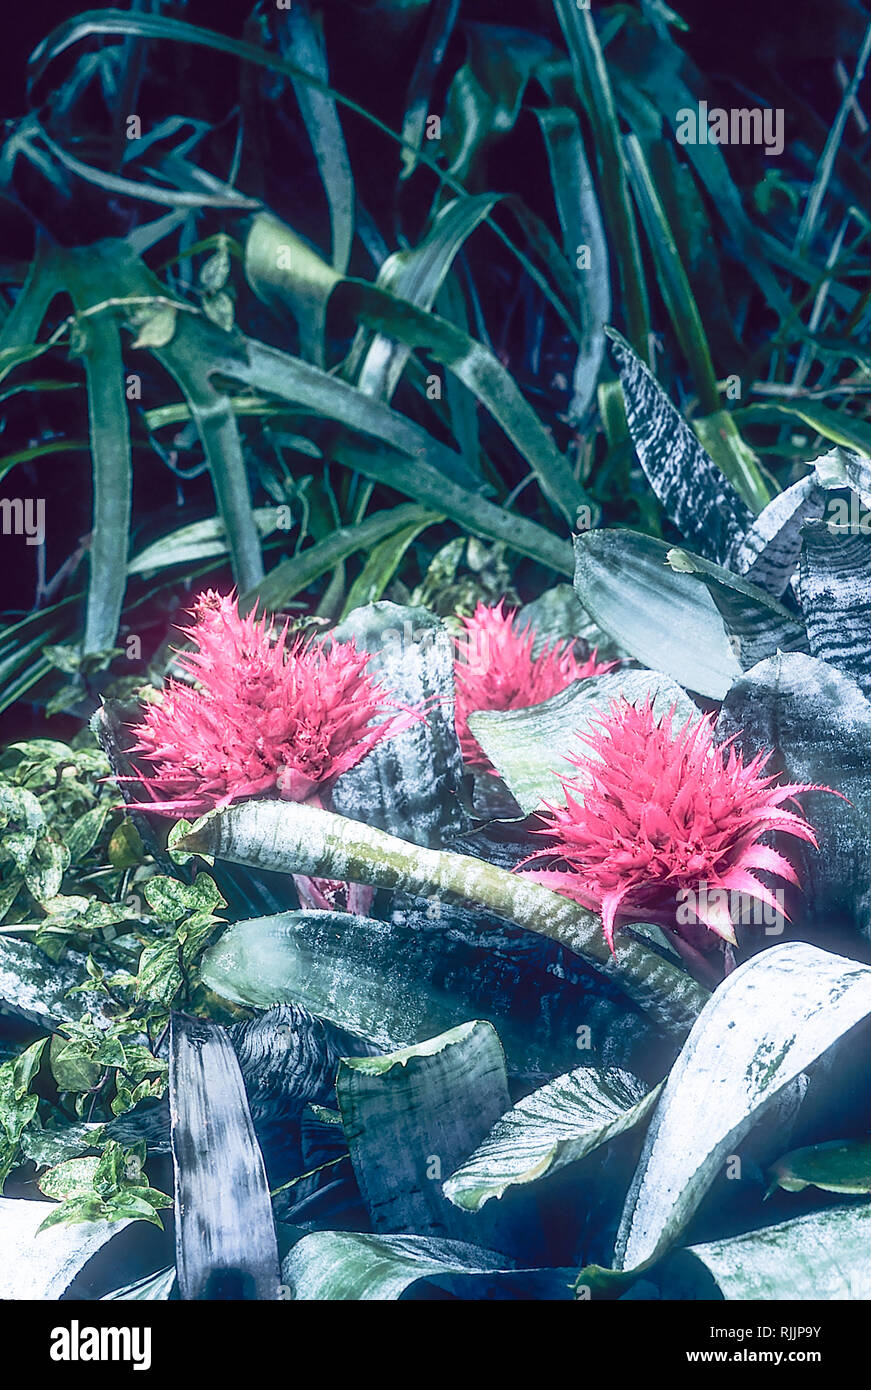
(399, 984)
(768, 554)
(700, 500)
(44, 1266)
(819, 722)
(225, 1234)
(558, 1124)
(34, 986)
(818, 1258)
(768, 1021)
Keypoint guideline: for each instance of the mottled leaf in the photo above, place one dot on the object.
(411, 784)
(792, 1002)
(698, 498)
(558, 1124)
(346, 1265)
(412, 1116)
(835, 591)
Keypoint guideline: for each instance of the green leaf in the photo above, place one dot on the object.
(25, 1067)
(72, 1178)
(820, 1257)
(300, 36)
(667, 620)
(347, 1265)
(84, 833)
(155, 327)
(383, 562)
(416, 275)
(73, 1065)
(842, 1165)
(558, 1124)
(112, 469)
(676, 291)
(297, 572)
(159, 976)
(401, 982)
(412, 1116)
(594, 86)
(581, 223)
(530, 747)
(473, 364)
(293, 838)
(794, 1003)
(837, 425)
(170, 899)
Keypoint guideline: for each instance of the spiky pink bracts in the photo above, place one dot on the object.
(495, 669)
(264, 717)
(655, 814)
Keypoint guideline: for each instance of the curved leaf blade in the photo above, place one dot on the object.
(558, 1124)
(794, 1002)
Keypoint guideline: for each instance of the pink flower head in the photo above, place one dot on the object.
(495, 669)
(264, 716)
(655, 813)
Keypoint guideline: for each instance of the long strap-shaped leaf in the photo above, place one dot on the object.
(700, 500)
(292, 838)
(112, 479)
(594, 86)
(275, 257)
(225, 1234)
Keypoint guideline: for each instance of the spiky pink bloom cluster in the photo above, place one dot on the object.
(265, 716)
(495, 669)
(655, 811)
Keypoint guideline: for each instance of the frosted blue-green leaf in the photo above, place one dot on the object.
(400, 982)
(154, 1288)
(816, 1258)
(793, 1002)
(529, 747)
(45, 1265)
(667, 620)
(558, 1124)
(438, 1098)
(349, 1265)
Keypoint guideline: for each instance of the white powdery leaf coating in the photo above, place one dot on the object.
(558, 1124)
(35, 987)
(770, 1020)
(43, 1266)
(820, 1257)
(351, 1265)
(292, 838)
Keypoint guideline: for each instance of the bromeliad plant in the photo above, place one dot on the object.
(525, 1025)
(265, 716)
